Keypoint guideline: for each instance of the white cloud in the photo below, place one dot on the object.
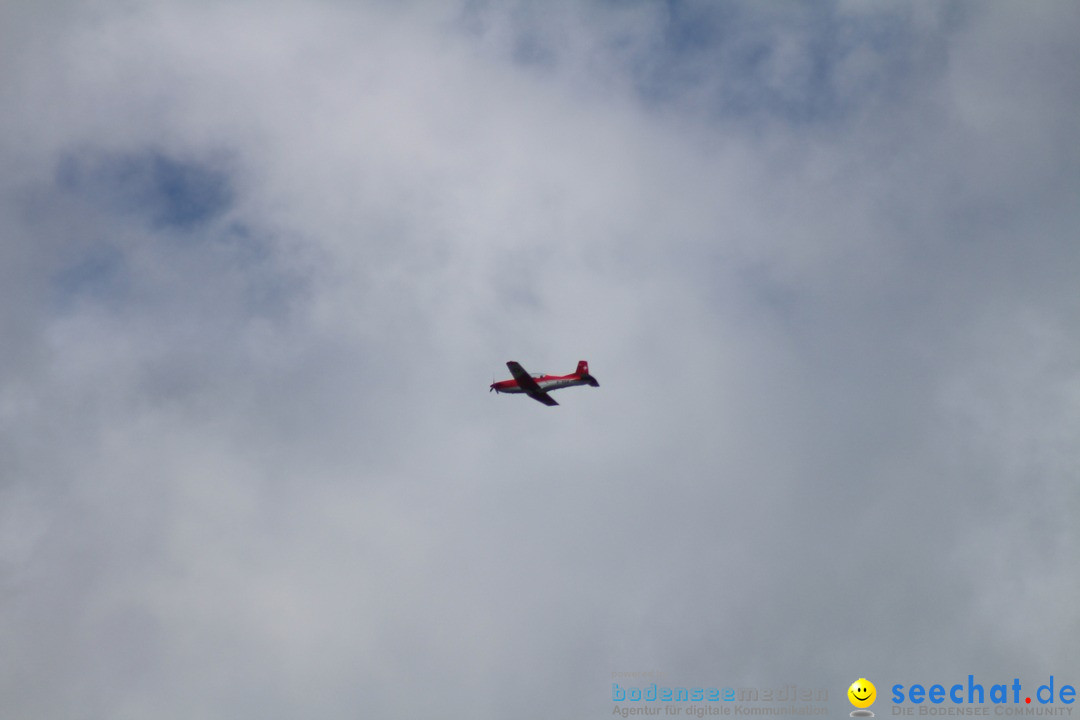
(265, 259)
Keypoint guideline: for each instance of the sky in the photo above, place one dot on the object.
(259, 262)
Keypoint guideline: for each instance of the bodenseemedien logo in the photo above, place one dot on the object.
(701, 701)
(862, 694)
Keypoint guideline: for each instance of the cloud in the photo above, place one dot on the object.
(266, 260)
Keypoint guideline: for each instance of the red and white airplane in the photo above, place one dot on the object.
(537, 385)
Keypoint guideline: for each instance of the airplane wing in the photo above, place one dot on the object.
(528, 385)
(542, 396)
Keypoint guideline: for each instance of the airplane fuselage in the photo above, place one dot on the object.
(546, 383)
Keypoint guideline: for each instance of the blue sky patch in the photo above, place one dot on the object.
(167, 191)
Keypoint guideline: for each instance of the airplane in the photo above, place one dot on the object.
(538, 385)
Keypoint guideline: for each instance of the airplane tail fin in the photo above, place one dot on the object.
(583, 372)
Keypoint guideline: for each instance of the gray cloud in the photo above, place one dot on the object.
(262, 264)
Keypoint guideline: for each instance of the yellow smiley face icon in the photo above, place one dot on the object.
(862, 693)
